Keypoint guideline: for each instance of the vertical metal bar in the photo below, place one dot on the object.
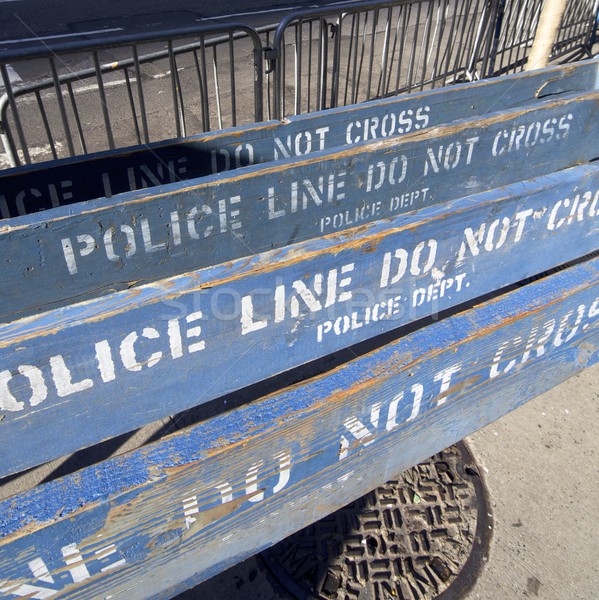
(181, 103)
(502, 49)
(475, 42)
(77, 119)
(449, 51)
(258, 81)
(336, 30)
(375, 19)
(482, 41)
(361, 62)
(103, 101)
(204, 85)
(61, 107)
(522, 45)
(461, 61)
(467, 21)
(424, 47)
(361, 24)
(439, 31)
(520, 36)
(393, 50)
(383, 77)
(17, 119)
(219, 113)
(200, 86)
(526, 19)
(132, 105)
(512, 40)
(270, 88)
(175, 96)
(44, 116)
(349, 57)
(310, 33)
(413, 50)
(404, 12)
(495, 20)
(506, 36)
(283, 77)
(140, 95)
(530, 24)
(323, 49)
(298, 67)
(232, 80)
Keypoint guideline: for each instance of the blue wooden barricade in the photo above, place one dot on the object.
(120, 311)
(286, 307)
(29, 189)
(60, 256)
(164, 517)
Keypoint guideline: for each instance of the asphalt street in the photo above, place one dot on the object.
(23, 21)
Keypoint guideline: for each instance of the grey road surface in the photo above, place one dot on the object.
(58, 19)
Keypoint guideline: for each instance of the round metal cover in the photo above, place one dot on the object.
(424, 535)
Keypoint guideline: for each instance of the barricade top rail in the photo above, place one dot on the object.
(215, 81)
(345, 54)
(343, 8)
(44, 48)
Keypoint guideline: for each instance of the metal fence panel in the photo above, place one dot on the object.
(335, 56)
(89, 97)
(157, 88)
(576, 33)
(516, 25)
(346, 54)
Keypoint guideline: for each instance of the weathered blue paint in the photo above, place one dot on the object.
(252, 476)
(37, 187)
(70, 253)
(109, 365)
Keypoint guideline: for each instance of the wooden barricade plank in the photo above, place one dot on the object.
(178, 511)
(109, 365)
(70, 253)
(36, 187)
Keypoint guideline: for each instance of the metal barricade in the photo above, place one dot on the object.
(80, 104)
(341, 55)
(516, 24)
(577, 31)
(83, 97)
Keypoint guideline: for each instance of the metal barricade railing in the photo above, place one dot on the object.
(576, 34)
(516, 25)
(344, 54)
(198, 80)
(127, 90)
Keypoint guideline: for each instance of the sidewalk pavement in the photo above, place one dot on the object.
(541, 466)
(543, 479)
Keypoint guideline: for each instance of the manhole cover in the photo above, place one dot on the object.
(421, 536)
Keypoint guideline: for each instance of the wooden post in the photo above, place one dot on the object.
(549, 22)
